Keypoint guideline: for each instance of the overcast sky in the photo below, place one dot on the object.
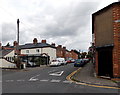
(64, 22)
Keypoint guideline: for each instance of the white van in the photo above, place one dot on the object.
(58, 62)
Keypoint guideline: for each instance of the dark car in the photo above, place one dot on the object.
(79, 63)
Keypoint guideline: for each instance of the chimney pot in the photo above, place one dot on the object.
(15, 43)
(35, 41)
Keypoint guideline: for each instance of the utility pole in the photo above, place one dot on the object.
(17, 47)
(18, 30)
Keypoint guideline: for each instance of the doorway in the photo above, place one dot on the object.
(105, 63)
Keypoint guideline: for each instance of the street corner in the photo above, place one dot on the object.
(71, 77)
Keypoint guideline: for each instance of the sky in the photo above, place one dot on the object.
(63, 22)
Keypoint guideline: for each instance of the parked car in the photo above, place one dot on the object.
(70, 61)
(62, 61)
(55, 63)
(79, 63)
(86, 60)
(58, 62)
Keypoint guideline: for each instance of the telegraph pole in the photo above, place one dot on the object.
(18, 30)
(17, 47)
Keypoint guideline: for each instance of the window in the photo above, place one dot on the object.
(37, 50)
(27, 51)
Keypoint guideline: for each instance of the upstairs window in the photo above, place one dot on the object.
(37, 50)
(27, 51)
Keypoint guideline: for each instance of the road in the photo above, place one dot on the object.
(46, 80)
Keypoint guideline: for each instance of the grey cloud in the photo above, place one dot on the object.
(66, 25)
(8, 32)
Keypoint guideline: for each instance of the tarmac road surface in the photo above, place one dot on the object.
(46, 80)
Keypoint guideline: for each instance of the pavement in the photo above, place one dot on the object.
(86, 75)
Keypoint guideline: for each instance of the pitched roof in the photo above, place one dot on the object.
(4, 52)
(105, 8)
(38, 45)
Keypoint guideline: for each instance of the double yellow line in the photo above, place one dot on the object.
(92, 85)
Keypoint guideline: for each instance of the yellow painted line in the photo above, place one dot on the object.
(69, 79)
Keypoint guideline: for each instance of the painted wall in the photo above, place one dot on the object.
(50, 51)
(11, 54)
(5, 64)
(31, 51)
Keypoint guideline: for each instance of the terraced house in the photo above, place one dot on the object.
(38, 50)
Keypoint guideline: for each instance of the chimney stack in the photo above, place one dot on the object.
(15, 43)
(59, 46)
(53, 44)
(35, 41)
(43, 41)
(64, 48)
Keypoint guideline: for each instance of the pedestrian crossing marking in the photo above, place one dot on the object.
(67, 81)
(20, 80)
(44, 80)
(55, 80)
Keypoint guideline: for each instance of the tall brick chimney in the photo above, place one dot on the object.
(35, 41)
(43, 41)
(15, 43)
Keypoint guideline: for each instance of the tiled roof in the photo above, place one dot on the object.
(4, 52)
(38, 45)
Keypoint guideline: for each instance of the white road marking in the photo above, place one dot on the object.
(44, 80)
(55, 80)
(20, 80)
(9, 80)
(57, 73)
(66, 81)
(34, 78)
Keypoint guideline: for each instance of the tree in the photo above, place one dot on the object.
(83, 54)
(8, 44)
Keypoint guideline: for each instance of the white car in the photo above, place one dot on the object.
(58, 62)
(62, 61)
(55, 63)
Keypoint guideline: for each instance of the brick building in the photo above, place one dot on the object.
(106, 35)
(64, 53)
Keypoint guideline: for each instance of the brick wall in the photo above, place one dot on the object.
(59, 51)
(63, 53)
(73, 54)
(116, 49)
